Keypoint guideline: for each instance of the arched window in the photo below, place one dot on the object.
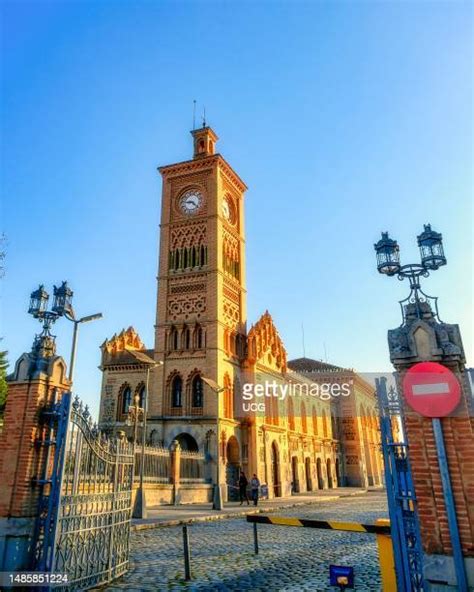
(198, 338)
(124, 401)
(325, 425)
(187, 338)
(272, 417)
(226, 341)
(173, 339)
(304, 424)
(315, 422)
(187, 442)
(197, 392)
(240, 345)
(228, 398)
(140, 391)
(177, 392)
(291, 415)
(333, 426)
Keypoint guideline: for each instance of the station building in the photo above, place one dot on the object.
(294, 442)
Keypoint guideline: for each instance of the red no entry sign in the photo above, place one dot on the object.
(431, 389)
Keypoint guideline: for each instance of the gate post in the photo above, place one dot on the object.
(423, 338)
(175, 469)
(38, 380)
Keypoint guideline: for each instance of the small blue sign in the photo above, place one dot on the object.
(342, 576)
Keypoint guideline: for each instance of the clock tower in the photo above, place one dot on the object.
(201, 305)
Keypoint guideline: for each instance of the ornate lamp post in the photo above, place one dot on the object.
(135, 414)
(140, 509)
(217, 503)
(427, 378)
(432, 258)
(62, 307)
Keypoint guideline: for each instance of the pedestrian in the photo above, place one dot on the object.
(243, 482)
(254, 486)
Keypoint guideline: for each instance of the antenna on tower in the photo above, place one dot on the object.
(194, 114)
(302, 337)
(325, 352)
(204, 117)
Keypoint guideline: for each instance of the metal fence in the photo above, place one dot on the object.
(157, 467)
(191, 467)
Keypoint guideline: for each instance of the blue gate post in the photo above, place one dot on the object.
(404, 524)
(48, 524)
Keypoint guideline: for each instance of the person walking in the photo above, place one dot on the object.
(243, 482)
(254, 486)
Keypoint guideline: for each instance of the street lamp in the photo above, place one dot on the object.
(77, 322)
(135, 412)
(388, 255)
(432, 258)
(431, 248)
(217, 503)
(62, 307)
(139, 509)
(38, 302)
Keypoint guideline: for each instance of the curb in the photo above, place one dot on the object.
(241, 514)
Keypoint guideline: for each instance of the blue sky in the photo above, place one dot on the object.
(344, 119)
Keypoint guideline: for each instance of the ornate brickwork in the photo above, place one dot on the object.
(231, 313)
(264, 343)
(126, 339)
(186, 305)
(187, 288)
(186, 235)
(230, 292)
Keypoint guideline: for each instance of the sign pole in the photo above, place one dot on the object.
(433, 390)
(450, 507)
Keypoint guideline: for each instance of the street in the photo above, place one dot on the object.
(290, 559)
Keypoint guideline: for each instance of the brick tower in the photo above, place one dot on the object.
(201, 304)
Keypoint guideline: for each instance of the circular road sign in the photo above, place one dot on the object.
(431, 389)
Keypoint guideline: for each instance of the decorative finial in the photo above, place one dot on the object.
(204, 117)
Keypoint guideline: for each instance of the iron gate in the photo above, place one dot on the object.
(85, 504)
(405, 529)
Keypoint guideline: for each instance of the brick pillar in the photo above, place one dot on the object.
(429, 340)
(34, 383)
(175, 464)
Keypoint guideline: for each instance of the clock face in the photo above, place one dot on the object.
(228, 210)
(190, 202)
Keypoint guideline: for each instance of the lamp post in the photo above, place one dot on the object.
(62, 307)
(417, 307)
(139, 509)
(432, 258)
(77, 322)
(134, 413)
(217, 503)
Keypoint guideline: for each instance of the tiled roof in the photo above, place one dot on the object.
(125, 358)
(307, 365)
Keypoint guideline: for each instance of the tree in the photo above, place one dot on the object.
(3, 382)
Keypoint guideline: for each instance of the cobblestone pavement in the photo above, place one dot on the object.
(290, 560)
